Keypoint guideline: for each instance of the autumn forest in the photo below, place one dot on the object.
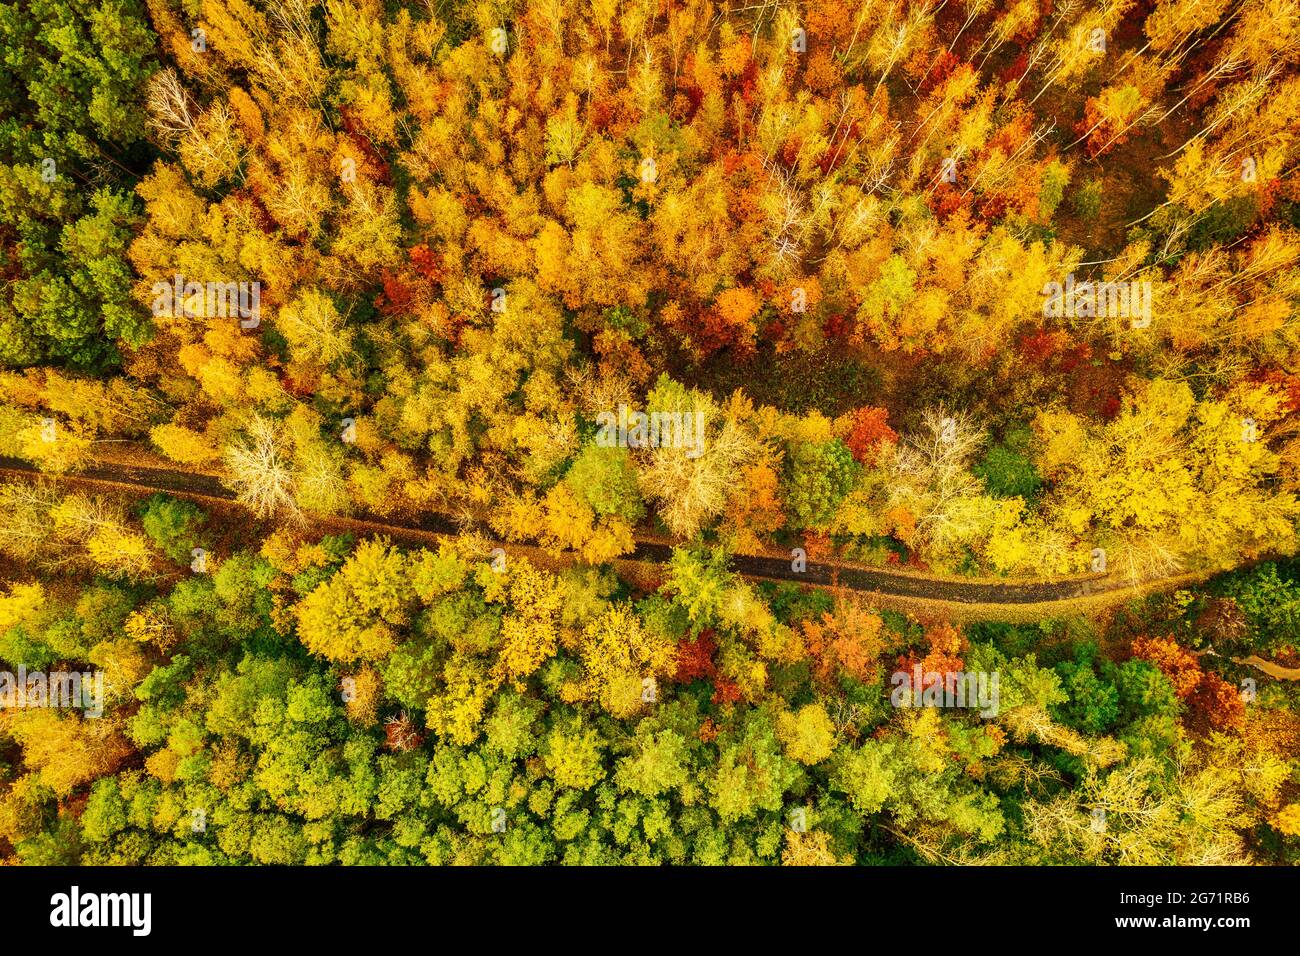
(650, 432)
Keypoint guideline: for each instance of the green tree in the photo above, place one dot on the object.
(818, 478)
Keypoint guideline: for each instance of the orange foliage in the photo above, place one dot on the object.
(846, 642)
(1176, 663)
(1218, 704)
(943, 657)
(870, 431)
(695, 659)
(755, 505)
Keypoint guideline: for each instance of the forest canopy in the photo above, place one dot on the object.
(538, 431)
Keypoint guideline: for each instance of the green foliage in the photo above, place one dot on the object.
(1008, 474)
(250, 723)
(818, 478)
(70, 111)
(467, 256)
(1087, 199)
(700, 580)
(1093, 704)
(1056, 176)
(1269, 596)
(606, 480)
(172, 524)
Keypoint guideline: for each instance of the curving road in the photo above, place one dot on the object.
(932, 591)
(898, 584)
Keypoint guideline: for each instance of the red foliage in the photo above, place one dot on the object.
(870, 431)
(790, 151)
(1268, 195)
(1018, 68)
(837, 326)
(1282, 382)
(397, 295)
(695, 659)
(940, 69)
(943, 657)
(818, 547)
(401, 733)
(1073, 357)
(747, 84)
(945, 200)
(602, 110)
(304, 384)
(776, 331)
(1041, 346)
(356, 134)
(725, 692)
(1176, 663)
(1012, 136)
(995, 205)
(1213, 703)
(839, 150)
(1217, 704)
(714, 333)
(425, 262)
(695, 662)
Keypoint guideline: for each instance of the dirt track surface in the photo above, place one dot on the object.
(914, 591)
(900, 584)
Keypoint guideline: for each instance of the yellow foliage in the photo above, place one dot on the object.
(68, 751)
(808, 734)
(530, 630)
(1287, 820)
(184, 445)
(366, 691)
(810, 848)
(622, 662)
(355, 614)
(21, 604)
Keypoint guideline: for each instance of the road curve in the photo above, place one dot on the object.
(853, 577)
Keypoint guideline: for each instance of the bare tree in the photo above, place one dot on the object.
(260, 469)
(171, 111)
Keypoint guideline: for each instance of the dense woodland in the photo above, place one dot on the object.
(824, 231)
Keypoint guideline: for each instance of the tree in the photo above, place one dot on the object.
(622, 661)
(818, 478)
(751, 774)
(658, 763)
(356, 613)
(810, 848)
(868, 432)
(606, 480)
(1187, 822)
(690, 484)
(1007, 474)
(172, 525)
(807, 734)
(260, 469)
(69, 751)
(314, 329)
(573, 755)
(78, 69)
